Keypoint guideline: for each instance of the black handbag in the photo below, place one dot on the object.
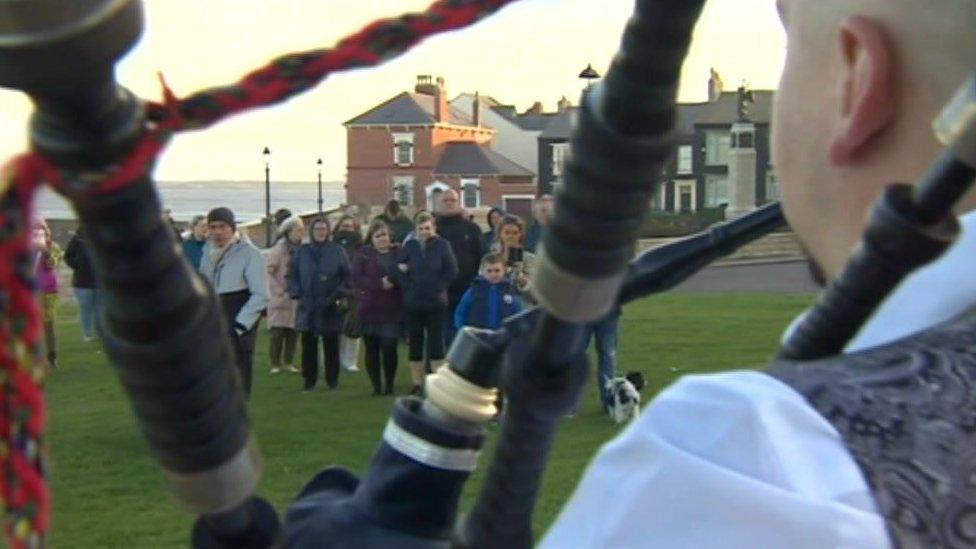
(352, 327)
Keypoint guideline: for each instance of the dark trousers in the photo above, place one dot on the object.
(431, 324)
(282, 346)
(310, 358)
(449, 330)
(244, 353)
(381, 350)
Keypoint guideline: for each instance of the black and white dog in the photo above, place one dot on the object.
(623, 396)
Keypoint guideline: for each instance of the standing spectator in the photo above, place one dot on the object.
(490, 299)
(348, 236)
(83, 282)
(495, 215)
(541, 212)
(397, 222)
(318, 278)
(280, 216)
(379, 305)
(467, 243)
(413, 233)
(195, 241)
(237, 272)
(168, 218)
(426, 268)
(604, 334)
(281, 306)
(46, 260)
(519, 263)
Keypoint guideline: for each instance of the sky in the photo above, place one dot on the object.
(530, 51)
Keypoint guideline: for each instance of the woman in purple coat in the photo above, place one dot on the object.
(379, 306)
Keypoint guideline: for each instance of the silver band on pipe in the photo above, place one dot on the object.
(956, 125)
(571, 298)
(422, 451)
(219, 489)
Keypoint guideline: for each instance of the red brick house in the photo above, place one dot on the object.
(415, 145)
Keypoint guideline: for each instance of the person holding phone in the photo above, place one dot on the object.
(519, 262)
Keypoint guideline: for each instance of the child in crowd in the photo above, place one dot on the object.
(490, 299)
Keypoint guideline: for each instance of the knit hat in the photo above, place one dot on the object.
(222, 214)
(281, 215)
(288, 224)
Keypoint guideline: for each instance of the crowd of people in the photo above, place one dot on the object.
(333, 287)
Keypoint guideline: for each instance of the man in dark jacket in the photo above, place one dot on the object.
(400, 226)
(467, 243)
(541, 213)
(83, 282)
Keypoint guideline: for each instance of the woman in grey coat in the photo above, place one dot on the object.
(318, 278)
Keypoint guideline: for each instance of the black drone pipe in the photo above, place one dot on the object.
(909, 227)
(621, 140)
(663, 268)
(163, 330)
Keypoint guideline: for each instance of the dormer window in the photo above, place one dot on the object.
(403, 149)
(560, 152)
(471, 193)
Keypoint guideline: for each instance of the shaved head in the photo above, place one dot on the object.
(862, 82)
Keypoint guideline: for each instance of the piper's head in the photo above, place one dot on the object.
(862, 83)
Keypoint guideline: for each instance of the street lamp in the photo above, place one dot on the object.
(267, 194)
(589, 74)
(320, 184)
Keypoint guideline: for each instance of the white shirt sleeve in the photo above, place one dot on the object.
(734, 460)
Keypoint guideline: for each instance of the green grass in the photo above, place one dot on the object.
(107, 492)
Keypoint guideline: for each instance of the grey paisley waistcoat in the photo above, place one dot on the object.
(907, 413)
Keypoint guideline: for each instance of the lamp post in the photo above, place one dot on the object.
(589, 74)
(267, 195)
(320, 184)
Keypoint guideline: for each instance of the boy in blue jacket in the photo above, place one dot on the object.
(490, 299)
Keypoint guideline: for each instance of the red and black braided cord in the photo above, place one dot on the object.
(22, 445)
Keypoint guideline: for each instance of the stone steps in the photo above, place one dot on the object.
(778, 246)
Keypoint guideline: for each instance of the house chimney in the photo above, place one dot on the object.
(564, 104)
(715, 86)
(441, 109)
(476, 110)
(425, 85)
(536, 108)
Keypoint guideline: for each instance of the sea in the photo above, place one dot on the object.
(245, 198)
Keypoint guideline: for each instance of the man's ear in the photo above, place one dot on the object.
(867, 95)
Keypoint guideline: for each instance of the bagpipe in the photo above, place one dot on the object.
(96, 143)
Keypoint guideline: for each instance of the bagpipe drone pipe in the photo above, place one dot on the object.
(96, 144)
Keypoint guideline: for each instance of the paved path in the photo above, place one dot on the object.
(771, 278)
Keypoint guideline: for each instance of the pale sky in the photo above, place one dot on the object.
(531, 51)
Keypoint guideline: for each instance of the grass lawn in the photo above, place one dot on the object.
(107, 492)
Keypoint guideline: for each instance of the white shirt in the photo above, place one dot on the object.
(740, 460)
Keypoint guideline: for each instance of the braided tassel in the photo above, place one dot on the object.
(22, 448)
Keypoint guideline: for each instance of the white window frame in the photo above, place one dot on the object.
(465, 185)
(429, 191)
(718, 143)
(685, 162)
(403, 184)
(560, 151)
(685, 184)
(401, 139)
(714, 199)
